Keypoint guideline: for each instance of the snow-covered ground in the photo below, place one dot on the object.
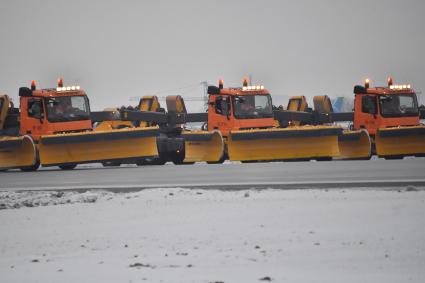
(179, 235)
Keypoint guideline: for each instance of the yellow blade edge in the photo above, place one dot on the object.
(402, 141)
(16, 152)
(284, 144)
(203, 146)
(98, 146)
(354, 145)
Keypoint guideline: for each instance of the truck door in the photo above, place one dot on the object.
(221, 118)
(366, 113)
(33, 120)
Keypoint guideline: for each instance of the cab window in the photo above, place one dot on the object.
(35, 109)
(369, 104)
(222, 105)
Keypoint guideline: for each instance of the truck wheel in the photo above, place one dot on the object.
(67, 166)
(395, 157)
(31, 168)
(159, 161)
(177, 157)
(220, 161)
(179, 161)
(324, 159)
(111, 163)
(153, 161)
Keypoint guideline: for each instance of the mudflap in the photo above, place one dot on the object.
(203, 146)
(354, 145)
(99, 146)
(293, 143)
(17, 152)
(400, 141)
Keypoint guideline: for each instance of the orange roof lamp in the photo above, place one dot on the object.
(33, 85)
(367, 83)
(220, 84)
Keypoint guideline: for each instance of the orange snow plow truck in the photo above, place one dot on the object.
(244, 116)
(53, 128)
(388, 114)
(392, 118)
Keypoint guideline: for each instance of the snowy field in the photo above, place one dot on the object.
(180, 235)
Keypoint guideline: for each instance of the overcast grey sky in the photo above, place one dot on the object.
(120, 49)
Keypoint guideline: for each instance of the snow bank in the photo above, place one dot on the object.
(43, 198)
(178, 235)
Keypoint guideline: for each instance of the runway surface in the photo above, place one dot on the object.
(327, 174)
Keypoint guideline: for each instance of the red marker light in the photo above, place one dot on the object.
(245, 82)
(60, 82)
(390, 81)
(33, 85)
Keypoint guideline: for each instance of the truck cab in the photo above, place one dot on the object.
(241, 108)
(383, 107)
(53, 111)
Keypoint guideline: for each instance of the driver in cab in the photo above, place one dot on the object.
(63, 108)
(247, 104)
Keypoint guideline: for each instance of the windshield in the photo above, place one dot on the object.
(398, 105)
(67, 108)
(252, 106)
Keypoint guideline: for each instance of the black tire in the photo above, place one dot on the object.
(180, 162)
(296, 160)
(393, 157)
(153, 161)
(324, 159)
(31, 168)
(67, 166)
(216, 162)
(111, 163)
(177, 158)
(220, 161)
(366, 158)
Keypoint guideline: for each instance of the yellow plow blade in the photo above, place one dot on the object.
(89, 147)
(17, 152)
(400, 141)
(203, 146)
(306, 142)
(354, 145)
